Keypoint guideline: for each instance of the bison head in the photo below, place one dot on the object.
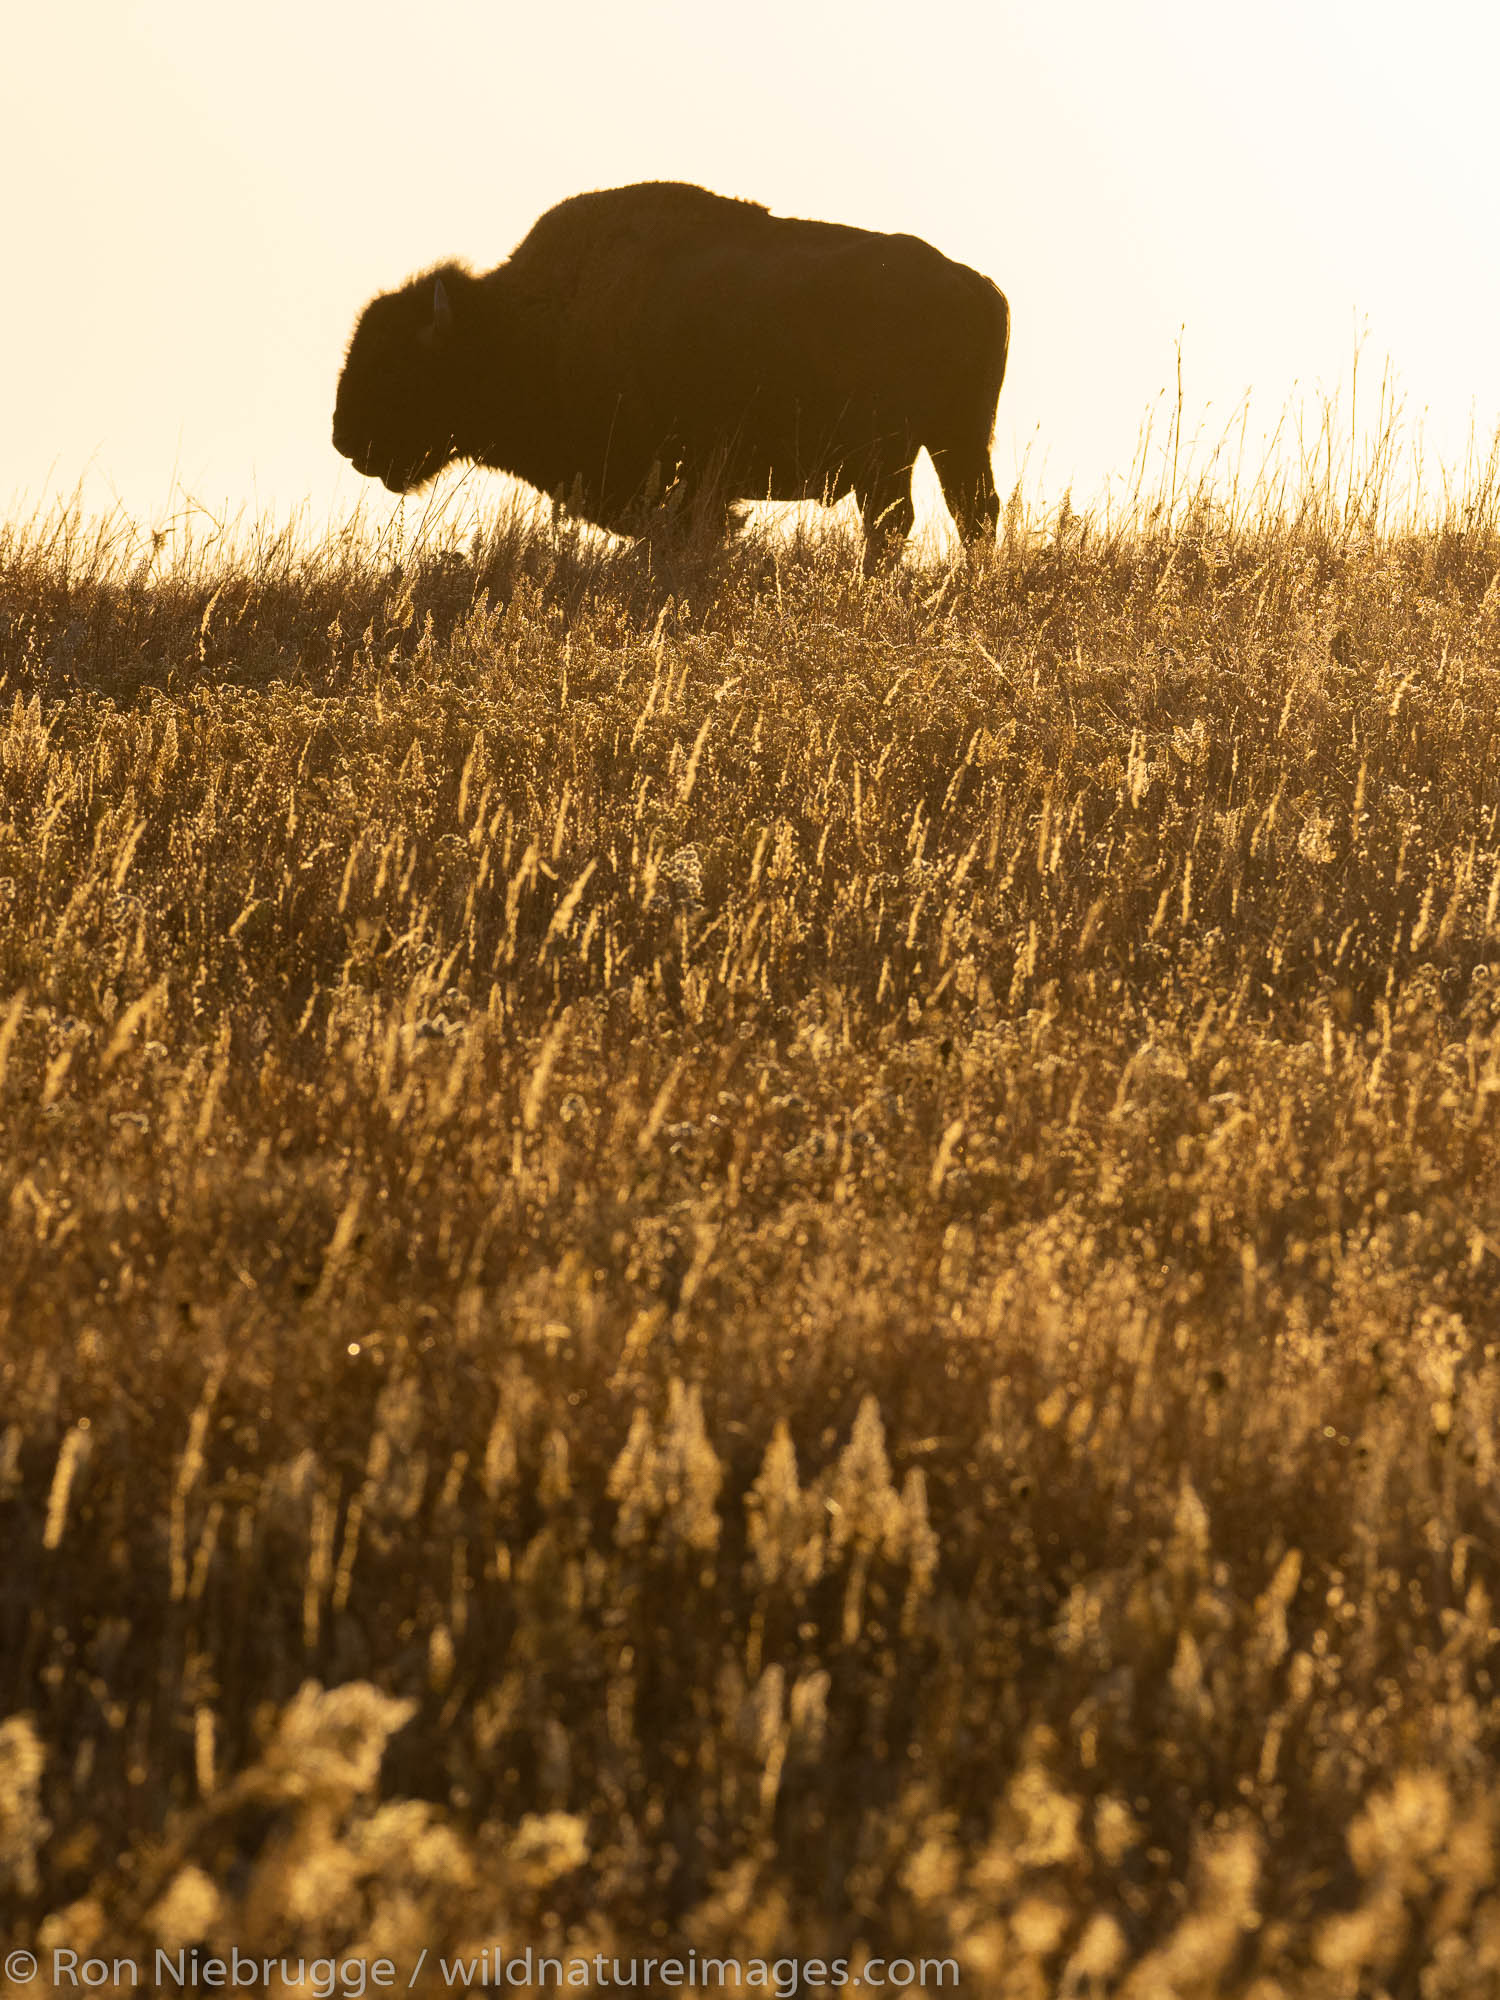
(393, 415)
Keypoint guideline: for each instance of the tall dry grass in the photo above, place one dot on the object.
(700, 1251)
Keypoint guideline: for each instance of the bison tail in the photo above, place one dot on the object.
(997, 315)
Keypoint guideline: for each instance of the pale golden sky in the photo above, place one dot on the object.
(198, 200)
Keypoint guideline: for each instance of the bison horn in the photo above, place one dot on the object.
(442, 311)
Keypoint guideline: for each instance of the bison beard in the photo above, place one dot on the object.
(660, 340)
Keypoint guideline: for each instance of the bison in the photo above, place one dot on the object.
(661, 340)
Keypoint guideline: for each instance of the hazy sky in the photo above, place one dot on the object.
(198, 200)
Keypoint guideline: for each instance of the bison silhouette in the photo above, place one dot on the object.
(655, 346)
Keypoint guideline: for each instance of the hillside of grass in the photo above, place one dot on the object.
(702, 1255)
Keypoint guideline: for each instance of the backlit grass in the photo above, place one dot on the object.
(825, 1251)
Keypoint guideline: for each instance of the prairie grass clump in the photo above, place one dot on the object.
(698, 1250)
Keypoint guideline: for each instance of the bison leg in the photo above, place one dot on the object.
(968, 483)
(703, 512)
(885, 504)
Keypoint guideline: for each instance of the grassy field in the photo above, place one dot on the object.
(704, 1256)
